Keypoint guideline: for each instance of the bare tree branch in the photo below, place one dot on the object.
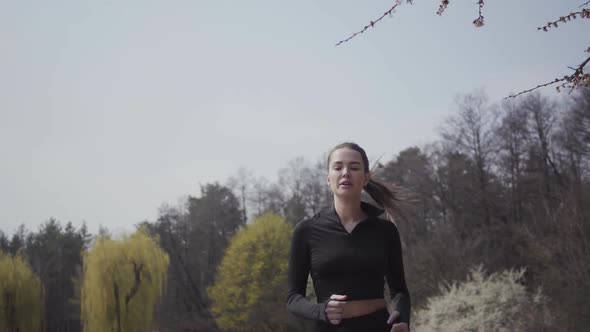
(372, 23)
(533, 89)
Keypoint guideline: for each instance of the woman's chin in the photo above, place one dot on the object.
(347, 193)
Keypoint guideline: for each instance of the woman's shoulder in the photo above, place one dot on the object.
(318, 220)
(309, 221)
(386, 225)
(305, 227)
(302, 224)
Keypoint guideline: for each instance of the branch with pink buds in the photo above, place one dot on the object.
(577, 79)
(372, 23)
(584, 13)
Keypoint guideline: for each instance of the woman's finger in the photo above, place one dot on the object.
(394, 315)
(401, 327)
(336, 304)
(337, 297)
(334, 311)
(335, 316)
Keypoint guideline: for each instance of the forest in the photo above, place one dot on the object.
(497, 238)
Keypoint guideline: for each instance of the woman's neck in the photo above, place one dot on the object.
(349, 211)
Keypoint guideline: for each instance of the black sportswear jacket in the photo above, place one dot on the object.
(355, 264)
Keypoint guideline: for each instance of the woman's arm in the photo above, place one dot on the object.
(394, 274)
(299, 266)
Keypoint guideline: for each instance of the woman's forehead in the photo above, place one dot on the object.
(346, 155)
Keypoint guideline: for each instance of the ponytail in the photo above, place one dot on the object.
(393, 199)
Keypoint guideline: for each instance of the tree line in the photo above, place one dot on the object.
(505, 187)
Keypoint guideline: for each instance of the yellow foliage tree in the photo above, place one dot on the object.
(20, 296)
(250, 285)
(121, 283)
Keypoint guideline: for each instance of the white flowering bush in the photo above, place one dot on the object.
(484, 302)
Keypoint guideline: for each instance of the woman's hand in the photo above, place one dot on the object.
(399, 327)
(335, 308)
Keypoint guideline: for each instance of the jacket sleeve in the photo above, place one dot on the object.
(299, 267)
(394, 274)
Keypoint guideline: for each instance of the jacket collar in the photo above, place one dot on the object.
(371, 211)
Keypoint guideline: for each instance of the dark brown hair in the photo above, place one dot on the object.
(393, 199)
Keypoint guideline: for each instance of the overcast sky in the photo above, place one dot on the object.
(110, 108)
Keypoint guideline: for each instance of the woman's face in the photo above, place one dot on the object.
(346, 173)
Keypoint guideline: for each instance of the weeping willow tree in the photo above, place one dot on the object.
(121, 283)
(20, 296)
(250, 285)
